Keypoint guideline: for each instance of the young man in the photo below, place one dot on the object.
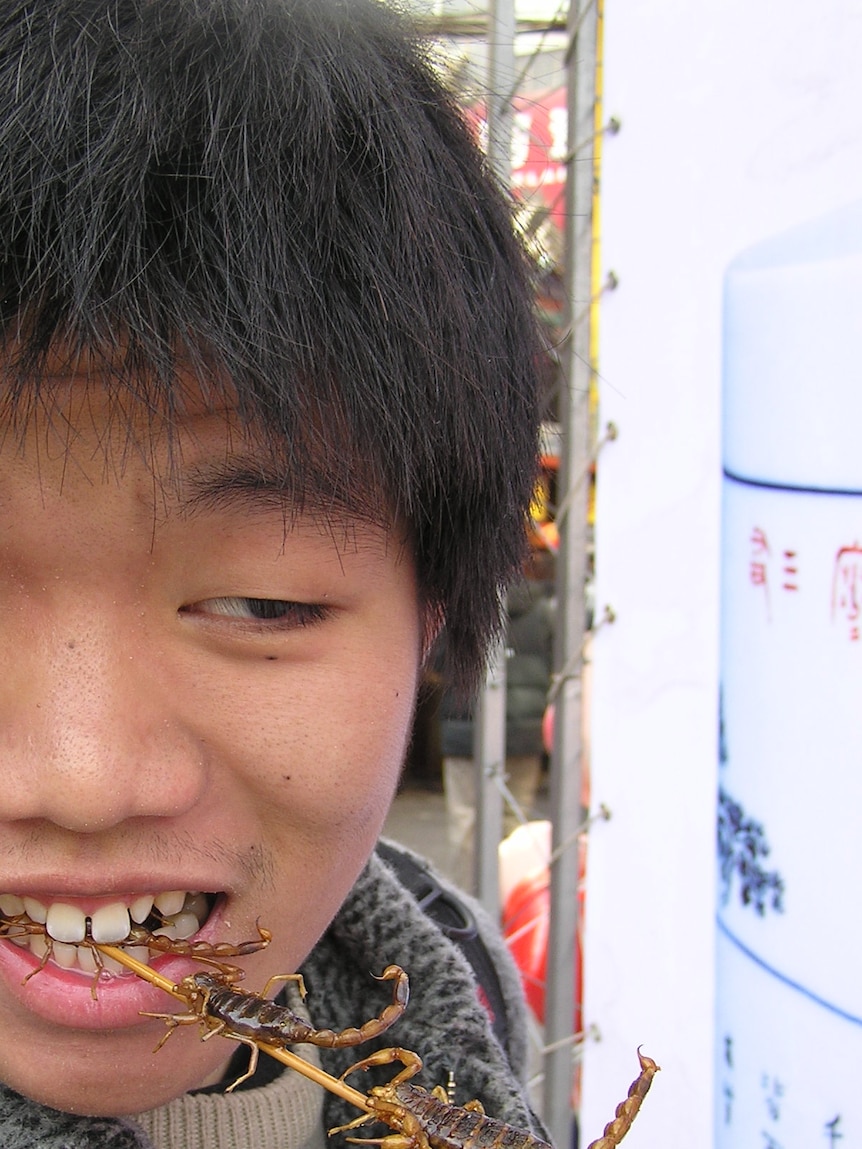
(268, 423)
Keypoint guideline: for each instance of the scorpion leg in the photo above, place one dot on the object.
(16, 926)
(447, 1096)
(411, 1061)
(172, 1020)
(252, 1061)
(416, 1140)
(46, 957)
(99, 963)
(215, 1028)
(297, 977)
(410, 1133)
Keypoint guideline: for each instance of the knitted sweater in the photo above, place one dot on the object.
(378, 924)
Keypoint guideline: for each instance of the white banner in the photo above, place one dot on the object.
(739, 122)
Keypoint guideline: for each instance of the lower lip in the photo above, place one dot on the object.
(64, 997)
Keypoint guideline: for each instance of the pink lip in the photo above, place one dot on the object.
(63, 997)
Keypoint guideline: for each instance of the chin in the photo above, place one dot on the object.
(117, 1082)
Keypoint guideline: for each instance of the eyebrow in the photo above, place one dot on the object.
(251, 482)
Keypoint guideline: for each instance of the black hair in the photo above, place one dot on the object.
(283, 194)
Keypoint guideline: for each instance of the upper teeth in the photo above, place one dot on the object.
(140, 908)
(110, 923)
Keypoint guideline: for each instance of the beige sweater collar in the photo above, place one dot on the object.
(285, 1114)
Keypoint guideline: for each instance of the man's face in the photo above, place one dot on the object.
(201, 693)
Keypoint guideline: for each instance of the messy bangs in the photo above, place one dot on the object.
(278, 195)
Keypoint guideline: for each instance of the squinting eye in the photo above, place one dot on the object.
(260, 610)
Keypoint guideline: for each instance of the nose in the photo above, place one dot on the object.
(91, 735)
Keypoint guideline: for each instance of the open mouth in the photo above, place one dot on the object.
(64, 933)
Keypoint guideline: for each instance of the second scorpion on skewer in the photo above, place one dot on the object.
(427, 1120)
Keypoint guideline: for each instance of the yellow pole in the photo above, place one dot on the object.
(596, 245)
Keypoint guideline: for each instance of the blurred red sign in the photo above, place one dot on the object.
(539, 143)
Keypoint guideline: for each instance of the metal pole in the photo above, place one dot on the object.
(566, 760)
(489, 761)
(501, 81)
(490, 722)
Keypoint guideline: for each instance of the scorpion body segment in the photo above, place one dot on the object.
(248, 1017)
(428, 1120)
(253, 1016)
(627, 1110)
(210, 952)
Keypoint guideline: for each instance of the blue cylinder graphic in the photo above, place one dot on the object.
(789, 938)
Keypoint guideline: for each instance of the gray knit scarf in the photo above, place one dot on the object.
(379, 923)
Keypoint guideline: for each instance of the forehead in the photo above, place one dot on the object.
(191, 434)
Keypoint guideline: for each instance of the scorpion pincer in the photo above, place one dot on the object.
(248, 1017)
(427, 1120)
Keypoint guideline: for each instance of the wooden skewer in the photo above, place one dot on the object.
(285, 1056)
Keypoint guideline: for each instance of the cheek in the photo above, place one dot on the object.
(353, 748)
(319, 749)
(321, 796)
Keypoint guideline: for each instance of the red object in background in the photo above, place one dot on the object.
(539, 149)
(548, 729)
(526, 926)
(548, 744)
